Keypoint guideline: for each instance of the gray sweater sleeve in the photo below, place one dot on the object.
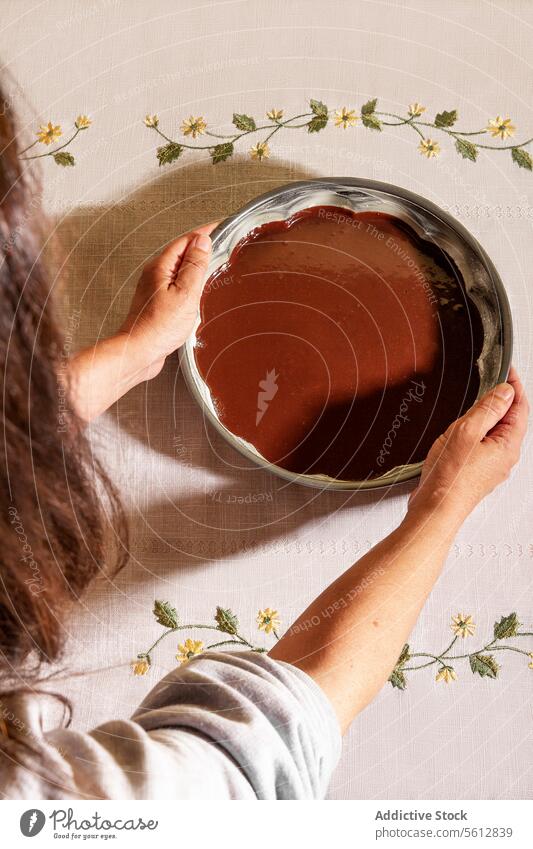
(226, 726)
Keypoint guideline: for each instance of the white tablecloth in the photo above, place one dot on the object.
(192, 542)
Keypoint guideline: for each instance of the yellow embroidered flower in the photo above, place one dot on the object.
(416, 109)
(48, 133)
(140, 666)
(189, 649)
(462, 626)
(151, 121)
(82, 122)
(275, 114)
(500, 127)
(345, 117)
(268, 620)
(447, 674)
(260, 151)
(193, 126)
(429, 148)
(530, 664)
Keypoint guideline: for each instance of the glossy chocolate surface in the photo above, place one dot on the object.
(338, 343)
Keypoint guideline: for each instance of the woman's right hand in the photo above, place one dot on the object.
(475, 454)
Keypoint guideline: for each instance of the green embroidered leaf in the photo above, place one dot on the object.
(522, 158)
(404, 656)
(398, 679)
(226, 621)
(506, 627)
(64, 158)
(466, 149)
(169, 152)
(317, 123)
(318, 108)
(165, 614)
(221, 152)
(446, 119)
(371, 121)
(369, 107)
(244, 122)
(484, 665)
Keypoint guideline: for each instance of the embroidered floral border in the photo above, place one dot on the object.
(481, 661)
(467, 143)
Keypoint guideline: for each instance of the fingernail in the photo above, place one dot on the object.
(203, 243)
(504, 391)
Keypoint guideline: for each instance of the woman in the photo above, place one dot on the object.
(238, 725)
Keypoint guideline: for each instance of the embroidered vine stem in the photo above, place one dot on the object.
(315, 120)
(48, 134)
(225, 622)
(445, 656)
(51, 152)
(318, 117)
(482, 661)
(239, 641)
(481, 664)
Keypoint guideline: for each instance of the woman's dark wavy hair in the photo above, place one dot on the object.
(56, 502)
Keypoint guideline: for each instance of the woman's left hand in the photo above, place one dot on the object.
(165, 303)
(161, 317)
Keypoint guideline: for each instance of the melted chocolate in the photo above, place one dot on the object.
(338, 343)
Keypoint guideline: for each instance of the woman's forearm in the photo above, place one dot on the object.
(350, 637)
(98, 376)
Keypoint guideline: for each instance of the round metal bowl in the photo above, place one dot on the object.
(482, 282)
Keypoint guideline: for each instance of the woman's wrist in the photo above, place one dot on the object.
(140, 361)
(436, 511)
(100, 375)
